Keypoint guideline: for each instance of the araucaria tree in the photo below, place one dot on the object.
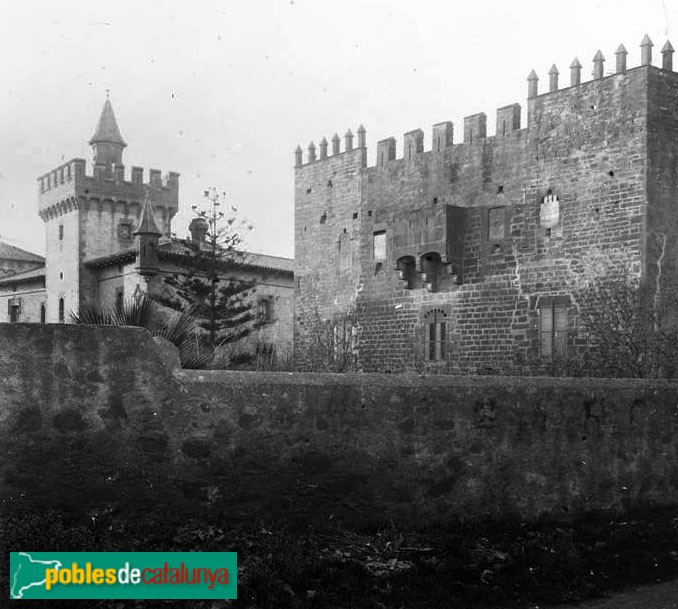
(211, 284)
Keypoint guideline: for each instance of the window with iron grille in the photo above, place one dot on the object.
(265, 307)
(14, 310)
(435, 337)
(553, 327)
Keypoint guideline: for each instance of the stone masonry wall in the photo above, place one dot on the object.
(92, 422)
(602, 148)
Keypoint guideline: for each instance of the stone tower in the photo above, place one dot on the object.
(93, 214)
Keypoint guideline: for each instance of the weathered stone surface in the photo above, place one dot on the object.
(118, 431)
(605, 148)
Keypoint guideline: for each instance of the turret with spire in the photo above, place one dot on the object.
(147, 234)
(107, 143)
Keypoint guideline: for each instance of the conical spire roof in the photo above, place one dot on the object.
(107, 127)
(147, 225)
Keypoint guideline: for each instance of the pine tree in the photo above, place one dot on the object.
(211, 286)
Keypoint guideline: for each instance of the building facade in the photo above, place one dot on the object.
(108, 238)
(486, 254)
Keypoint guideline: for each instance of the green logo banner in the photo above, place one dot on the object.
(120, 575)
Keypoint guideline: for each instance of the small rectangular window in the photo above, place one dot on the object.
(265, 306)
(61, 232)
(553, 329)
(14, 310)
(379, 245)
(435, 338)
(124, 231)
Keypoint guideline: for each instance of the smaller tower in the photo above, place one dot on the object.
(147, 235)
(107, 143)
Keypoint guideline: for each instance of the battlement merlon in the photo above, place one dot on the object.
(74, 171)
(336, 149)
(71, 181)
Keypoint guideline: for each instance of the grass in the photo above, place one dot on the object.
(483, 565)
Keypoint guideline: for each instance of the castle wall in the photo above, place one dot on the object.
(94, 423)
(476, 205)
(327, 240)
(662, 194)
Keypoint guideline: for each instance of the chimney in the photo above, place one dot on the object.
(198, 229)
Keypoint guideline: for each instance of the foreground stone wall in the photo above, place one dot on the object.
(92, 421)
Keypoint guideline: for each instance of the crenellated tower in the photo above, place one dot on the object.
(485, 253)
(92, 214)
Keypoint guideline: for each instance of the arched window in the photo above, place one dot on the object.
(435, 335)
(61, 310)
(407, 269)
(430, 266)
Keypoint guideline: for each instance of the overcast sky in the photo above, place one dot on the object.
(223, 91)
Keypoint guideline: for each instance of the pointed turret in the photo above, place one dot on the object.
(553, 78)
(323, 148)
(532, 84)
(336, 140)
(147, 234)
(598, 60)
(667, 56)
(147, 225)
(361, 137)
(646, 51)
(621, 54)
(348, 140)
(575, 72)
(297, 156)
(107, 142)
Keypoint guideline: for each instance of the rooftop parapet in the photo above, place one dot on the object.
(75, 171)
(598, 66)
(336, 147)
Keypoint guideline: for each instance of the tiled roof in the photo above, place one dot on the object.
(12, 252)
(177, 252)
(107, 128)
(269, 262)
(23, 277)
(110, 259)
